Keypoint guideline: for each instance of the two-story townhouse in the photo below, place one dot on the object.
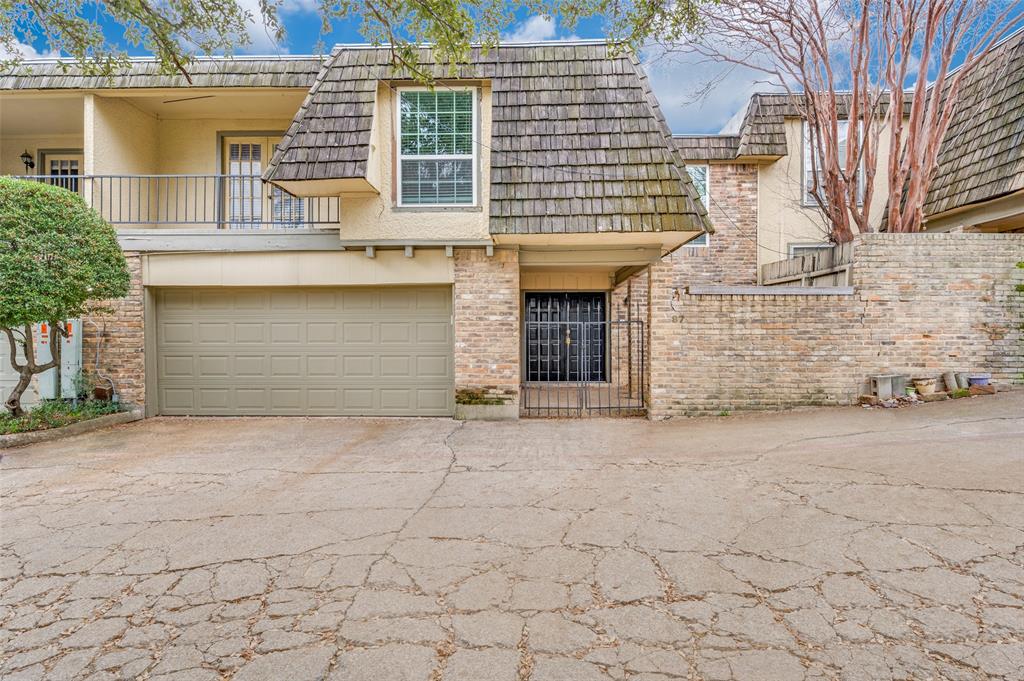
(332, 237)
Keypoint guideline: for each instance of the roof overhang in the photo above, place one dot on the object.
(977, 214)
(347, 186)
(663, 242)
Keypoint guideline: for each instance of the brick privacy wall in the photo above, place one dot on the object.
(122, 354)
(923, 304)
(486, 310)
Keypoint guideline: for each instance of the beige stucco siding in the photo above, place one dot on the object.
(193, 146)
(377, 217)
(120, 138)
(782, 218)
(12, 147)
(342, 268)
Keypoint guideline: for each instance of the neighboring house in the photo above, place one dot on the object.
(979, 184)
(314, 236)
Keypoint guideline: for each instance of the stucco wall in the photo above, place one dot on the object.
(120, 138)
(12, 147)
(782, 217)
(923, 304)
(193, 146)
(377, 217)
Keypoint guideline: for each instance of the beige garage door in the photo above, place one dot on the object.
(292, 351)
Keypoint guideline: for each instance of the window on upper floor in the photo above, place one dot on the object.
(797, 250)
(700, 174)
(810, 182)
(437, 147)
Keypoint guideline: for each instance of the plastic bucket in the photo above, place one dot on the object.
(978, 379)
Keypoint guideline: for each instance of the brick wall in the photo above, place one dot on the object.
(122, 347)
(730, 258)
(487, 324)
(922, 304)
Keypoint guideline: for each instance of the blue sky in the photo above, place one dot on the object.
(676, 78)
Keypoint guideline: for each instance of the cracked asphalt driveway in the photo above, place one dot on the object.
(824, 544)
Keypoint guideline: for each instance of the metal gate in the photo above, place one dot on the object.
(579, 364)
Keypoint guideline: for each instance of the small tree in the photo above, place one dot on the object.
(56, 255)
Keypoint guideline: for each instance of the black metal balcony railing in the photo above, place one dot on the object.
(197, 201)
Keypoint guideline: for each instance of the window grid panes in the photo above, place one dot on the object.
(809, 174)
(436, 147)
(699, 175)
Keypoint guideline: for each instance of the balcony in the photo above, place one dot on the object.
(197, 202)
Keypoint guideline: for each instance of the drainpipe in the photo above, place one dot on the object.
(114, 397)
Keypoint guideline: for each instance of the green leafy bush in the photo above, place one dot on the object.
(54, 414)
(57, 256)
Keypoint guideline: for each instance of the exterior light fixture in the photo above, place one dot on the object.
(26, 158)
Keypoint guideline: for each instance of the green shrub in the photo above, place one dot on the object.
(54, 414)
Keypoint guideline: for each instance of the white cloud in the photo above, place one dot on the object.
(261, 36)
(26, 51)
(698, 95)
(536, 29)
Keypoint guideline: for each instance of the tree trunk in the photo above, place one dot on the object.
(13, 403)
(27, 370)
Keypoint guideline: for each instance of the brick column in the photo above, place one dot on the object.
(122, 346)
(486, 310)
(664, 344)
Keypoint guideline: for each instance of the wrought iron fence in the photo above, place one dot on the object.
(198, 201)
(583, 368)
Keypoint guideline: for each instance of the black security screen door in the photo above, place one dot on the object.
(565, 337)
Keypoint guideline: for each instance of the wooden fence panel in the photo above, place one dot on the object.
(826, 267)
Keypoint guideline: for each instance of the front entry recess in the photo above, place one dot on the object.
(578, 362)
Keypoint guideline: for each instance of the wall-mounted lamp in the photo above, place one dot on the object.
(676, 297)
(26, 158)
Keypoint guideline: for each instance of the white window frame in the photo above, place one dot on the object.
(806, 199)
(816, 245)
(706, 200)
(437, 157)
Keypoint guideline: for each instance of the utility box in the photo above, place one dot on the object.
(70, 359)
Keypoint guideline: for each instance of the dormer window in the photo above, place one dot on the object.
(437, 145)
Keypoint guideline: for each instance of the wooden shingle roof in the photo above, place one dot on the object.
(982, 154)
(707, 147)
(276, 72)
(578, 142)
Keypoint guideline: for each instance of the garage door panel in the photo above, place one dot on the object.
(357, 332)
(214, 398)
(433, 332)
(305, 351)
(215, 366)
(433, 300)
(285, 332)
(358, 299)
(216, 299)
(176, 332)
(322, 366)
(395, 332)
(433, 366)
(432, 398)
(397, 365)
(250, 332)
(322, 332)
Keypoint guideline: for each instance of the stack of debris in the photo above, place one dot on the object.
(891, 391)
